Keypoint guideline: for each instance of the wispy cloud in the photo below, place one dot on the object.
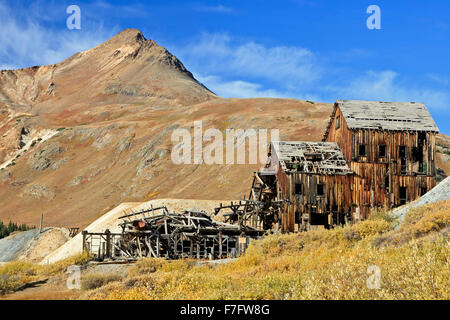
(27, 41)
(439, 79)
(238, 88)
(250, 69)
(233, 68)
(103, 9)
(387, 85)
(215, 9)
(218, 53)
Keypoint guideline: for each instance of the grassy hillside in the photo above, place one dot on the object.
(413, 259)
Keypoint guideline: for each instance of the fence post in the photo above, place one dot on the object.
(108, 243)
(84, 240)
(42, 223)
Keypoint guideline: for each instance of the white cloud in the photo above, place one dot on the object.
(26, 42)
(250, 69)
(388, 86)
(238, 88)
(8, 67)
(439, 79)
(218, 54)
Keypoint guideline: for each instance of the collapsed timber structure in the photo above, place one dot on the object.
(155, 232)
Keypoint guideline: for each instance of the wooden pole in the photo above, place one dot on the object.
(42, 222)
(108, 243)
(84, 240)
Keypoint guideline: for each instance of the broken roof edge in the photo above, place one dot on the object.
(386, 115)
(330, 122)
(334, 165)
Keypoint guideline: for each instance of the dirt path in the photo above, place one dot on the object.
(49, 290)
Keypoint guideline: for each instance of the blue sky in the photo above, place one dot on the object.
(317, 50)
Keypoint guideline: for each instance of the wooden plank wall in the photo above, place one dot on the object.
(342, 135)
(369, 187)
(337, 198)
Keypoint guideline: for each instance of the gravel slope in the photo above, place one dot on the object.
(31, 245)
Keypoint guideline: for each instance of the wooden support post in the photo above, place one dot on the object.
(108, 243)
(220, 244)
(175, 242)
(198, 251)
(157, 246)
(42, 223)
(84, 233)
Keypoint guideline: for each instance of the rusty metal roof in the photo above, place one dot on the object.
(310, 157)
(379, 115)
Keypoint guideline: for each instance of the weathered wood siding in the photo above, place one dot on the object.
(378, 179)
(310, 208)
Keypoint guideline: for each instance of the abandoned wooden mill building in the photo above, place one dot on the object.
(314, 177)
(391, 148)
(373, 154)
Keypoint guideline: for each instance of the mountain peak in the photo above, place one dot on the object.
(126, 68)
(128, 35)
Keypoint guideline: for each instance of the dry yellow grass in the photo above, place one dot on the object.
(321, 264)
(15, 274)
(413, 261)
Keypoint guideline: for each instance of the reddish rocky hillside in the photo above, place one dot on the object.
(81, 136)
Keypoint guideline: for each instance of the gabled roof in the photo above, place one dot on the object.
(310, 157)
(380, 115)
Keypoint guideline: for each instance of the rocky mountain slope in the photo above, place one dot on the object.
(82, 136)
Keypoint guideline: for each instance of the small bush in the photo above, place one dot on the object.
(97, 280)
(382, 214)
(61, 266)
(369, 228)
(426, 219)
(146, 266)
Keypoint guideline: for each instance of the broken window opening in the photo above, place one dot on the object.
(362, 150)
(402, 156)
(422, 137)
(298, 188)
(423, 190)
(417, 154)
(402, 152)
(382, 151)
(320, 189)
(402, 195)
(297, 217)
(338, 122)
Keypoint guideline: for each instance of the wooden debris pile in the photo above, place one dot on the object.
(156, 232)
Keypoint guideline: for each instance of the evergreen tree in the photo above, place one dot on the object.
(6, 230)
